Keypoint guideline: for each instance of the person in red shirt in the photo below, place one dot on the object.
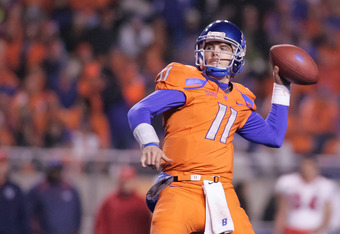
(124, 211)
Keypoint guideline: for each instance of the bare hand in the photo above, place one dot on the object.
(152, 157)
(278, 79)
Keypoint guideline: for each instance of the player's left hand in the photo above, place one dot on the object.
(278, 79)
(152, 157)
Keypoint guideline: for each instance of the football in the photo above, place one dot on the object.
(295, 64)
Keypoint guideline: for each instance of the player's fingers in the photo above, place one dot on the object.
(278, 79)
(158, 160)
(276, 72)
(143, 159)
(153, 157)
(165, 158)
(158, 164)
(146, 157)
(149, 158)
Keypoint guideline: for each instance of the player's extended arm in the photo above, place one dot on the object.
(140, 116)
(272, 130)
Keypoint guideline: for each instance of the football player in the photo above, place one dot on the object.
(202, 109)
(304, 200)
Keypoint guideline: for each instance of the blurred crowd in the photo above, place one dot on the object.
(71, 69)
(53, 204)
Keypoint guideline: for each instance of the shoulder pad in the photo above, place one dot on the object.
(247, 95)
(179, 77)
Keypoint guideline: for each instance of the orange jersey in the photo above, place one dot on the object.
(199, 134)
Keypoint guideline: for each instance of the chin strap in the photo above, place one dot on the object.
(216, 72)
(219, 72)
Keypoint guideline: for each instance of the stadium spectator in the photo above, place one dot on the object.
(8, 86)
(48, 34)
(14, 217)
(135, 35)
(124, 211)
(54, 204)
(30, 109)
(120, 90)
(324, 133)
(90, 86)
(103, 36)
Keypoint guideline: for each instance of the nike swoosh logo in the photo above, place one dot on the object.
(239, 103)
(175, 186)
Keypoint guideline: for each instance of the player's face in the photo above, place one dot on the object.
(309, 170)
(218, 54)
(127, 186)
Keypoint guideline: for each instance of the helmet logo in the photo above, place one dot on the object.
(242, 39)
(216, 34)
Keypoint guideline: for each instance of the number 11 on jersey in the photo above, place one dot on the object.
(216, 124)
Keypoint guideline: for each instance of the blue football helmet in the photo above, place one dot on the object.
(227, 32)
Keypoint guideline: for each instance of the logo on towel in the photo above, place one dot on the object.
(224, 222)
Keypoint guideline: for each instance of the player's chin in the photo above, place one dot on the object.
(218, 65)
(212, 64)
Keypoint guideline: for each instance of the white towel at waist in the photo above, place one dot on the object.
(218, 218)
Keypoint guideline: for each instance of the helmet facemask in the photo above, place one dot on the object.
(216, 69)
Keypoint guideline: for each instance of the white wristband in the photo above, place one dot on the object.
(145, 133)
(281, 94)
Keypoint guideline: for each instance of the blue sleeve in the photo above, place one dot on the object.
(269, 132)
(154, 104)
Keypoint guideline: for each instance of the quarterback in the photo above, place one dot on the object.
(202, 108)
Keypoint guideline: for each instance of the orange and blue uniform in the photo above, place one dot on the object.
(200, 117)
(199, 134)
